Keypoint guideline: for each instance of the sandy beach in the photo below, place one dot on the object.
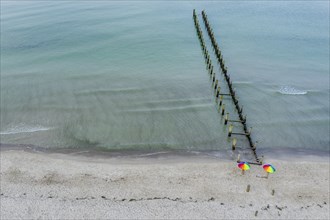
(59, 186)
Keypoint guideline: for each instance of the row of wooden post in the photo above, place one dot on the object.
(208, 60)
(215, 82)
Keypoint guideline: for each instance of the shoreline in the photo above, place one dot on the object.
(286, 154)
(63, 186)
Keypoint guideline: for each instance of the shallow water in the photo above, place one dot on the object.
(131, 74)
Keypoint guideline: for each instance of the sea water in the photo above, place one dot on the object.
(131, 74)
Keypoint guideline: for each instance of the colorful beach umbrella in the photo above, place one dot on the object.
(243, 166)
(269, 169)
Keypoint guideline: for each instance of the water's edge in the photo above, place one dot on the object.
(286, 154)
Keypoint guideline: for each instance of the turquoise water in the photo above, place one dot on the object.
(131, 74)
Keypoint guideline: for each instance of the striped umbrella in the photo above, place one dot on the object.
(243, 166)
(269, 169)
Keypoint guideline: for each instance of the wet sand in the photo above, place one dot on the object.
(61, 186)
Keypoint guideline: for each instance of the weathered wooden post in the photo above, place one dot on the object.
(226, 118)
(218, 92)
(230, 130)
(240, 110)
(223, 109)
(221, 99)
(254, 146)
(249, 133)
(238, 158)
(233, 146)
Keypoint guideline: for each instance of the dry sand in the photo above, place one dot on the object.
(56, 186)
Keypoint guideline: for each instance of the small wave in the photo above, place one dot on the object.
(105, 91)
(173, 102)
(178, 108)
(242, 83)
(153, 154)
(167, 101)
(24, 129)
(289, 90)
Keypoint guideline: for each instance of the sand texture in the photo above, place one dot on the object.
(55, 186)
